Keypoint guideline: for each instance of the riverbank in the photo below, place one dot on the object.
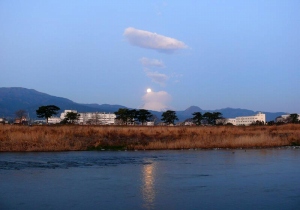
(79, 138)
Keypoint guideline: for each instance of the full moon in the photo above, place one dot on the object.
(149, 90)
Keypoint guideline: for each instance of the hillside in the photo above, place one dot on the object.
(227, 113)
(16, 98)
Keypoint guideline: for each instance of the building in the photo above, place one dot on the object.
(97, 118)
(63, 115)
(150, 123)
(244, 120)
(284, 118)
(92, 118)
(188, 123)
(248, 120)
(54, 120)
(226, 121)
(22, 121)
(39, 122)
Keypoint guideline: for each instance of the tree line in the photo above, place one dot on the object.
(132, 116)
(126, 116)
(50, 110)
(47, 112)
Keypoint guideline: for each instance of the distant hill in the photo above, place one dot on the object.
(16, 98)
(227, 113)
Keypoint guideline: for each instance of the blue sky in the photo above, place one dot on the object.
(212, 54)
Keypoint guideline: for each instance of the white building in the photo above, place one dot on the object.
(39, 122)
(54, 120)
(248, 120)
(284, 118)
(150, 123)
(63, 115)
(93, 118)
(226, 121)
(97, 118)
(244, 120)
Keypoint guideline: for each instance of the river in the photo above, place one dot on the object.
(183, 179)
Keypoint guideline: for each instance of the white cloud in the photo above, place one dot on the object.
(147, 62)
(150, 40)
(157, 101)
(176, 77)
(157, 77)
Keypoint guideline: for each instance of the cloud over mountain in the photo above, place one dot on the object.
(156, 101)
(150, 40)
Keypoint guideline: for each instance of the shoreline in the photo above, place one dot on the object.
(149, 150)
(113, 138)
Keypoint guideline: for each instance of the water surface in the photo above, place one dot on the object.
(186, 179)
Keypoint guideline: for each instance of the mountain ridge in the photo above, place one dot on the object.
(16, 98)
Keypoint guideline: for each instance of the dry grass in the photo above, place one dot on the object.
(68, 138)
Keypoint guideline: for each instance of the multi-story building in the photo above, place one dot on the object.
(97, 118)
(284, 118)
(248, 120)
(54, 120)
(92, 118)
(227, 120)
(63, 115)
(244, 120)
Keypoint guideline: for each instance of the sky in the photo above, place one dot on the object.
(211, 54)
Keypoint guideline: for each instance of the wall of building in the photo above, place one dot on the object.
(97, 118)
(54, 120)
(62, 115)
(244, 120)
(94, 118)
(283, 118)
(248, 120)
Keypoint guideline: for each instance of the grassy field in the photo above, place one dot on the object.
(71, 138)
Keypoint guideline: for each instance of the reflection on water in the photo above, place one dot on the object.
(148, 185)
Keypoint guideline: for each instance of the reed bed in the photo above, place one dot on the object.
(75, 138)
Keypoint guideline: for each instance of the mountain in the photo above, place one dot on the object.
(226, 112)
(191, 110)
(105, 107)
(15, 98)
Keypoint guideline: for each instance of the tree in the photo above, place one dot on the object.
(198, 117)
(169, 117)
(221, 121)
(71, 118)
(207, 116)
(122, 115)
(131, 116)
(143, 116)
(212, 117)
(293, 118)
(257, 122)
(47, 111)
(20, 115)
(94, 119)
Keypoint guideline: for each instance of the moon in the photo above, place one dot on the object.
(149, 90)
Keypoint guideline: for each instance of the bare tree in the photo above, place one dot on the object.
(21, 115)
(221, 121)
(95, 118)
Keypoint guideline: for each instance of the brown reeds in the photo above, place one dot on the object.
(71, 138)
